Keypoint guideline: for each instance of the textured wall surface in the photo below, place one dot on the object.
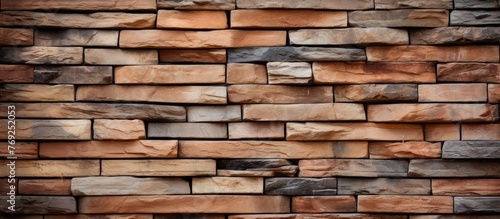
(251, 109)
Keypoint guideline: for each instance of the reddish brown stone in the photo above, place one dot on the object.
(35, 92)
(28, 129)
(173, 19)
(433, 53)
(493, 93)
(376, 93)
(195, 56)
(353, 167)
(101, 216)
(170, 74)
(52, 168)
(405, 204)
(468, 72)
(287, 18)
(410, 149)
(452, 93)
(459, 187)
(323, 216)
(44, 187)
(399, 18)
(480, 132)
(442, 132)
(23, 150)
(16, 73)
(242, 73)
(120, 57)
(321, 204)
(16, 37)
(279, 94)
(197, 5)
(88, 5)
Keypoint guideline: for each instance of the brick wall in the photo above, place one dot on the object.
(251, 109)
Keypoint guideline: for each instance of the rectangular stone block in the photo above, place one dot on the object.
(191, 216)
(272, 149)
(228, 113)
(16, 73)
(477, 205)
(399, 18)
(304, 112)
(480, 132)
(433, 53)
(44, 187)
(73, 75)
(110, 149)
(76, 37)
(256, 130)
(92, 5)
(322, 204)
(453, 168)
(476, 4)
(256, 167)
(40, 205)
(295, 54)
(442, 132)
(39, 55)
(354, 36)
(16, 37)
(456, 35)
(468, 72)
(164, 167)
(179, 19)
(322, 215)
(300, 186)
(243, 73)
(376, 72)
(125, 185)
(471, 149)
(396, 4)
(28, 129)
(100, 216)
(266, 172)
(279, 94)
(24, 150)
(171, 74)
(311, 4)
(52, 168)
(376, 93)
(493, 93)
(195, 5)
(120, 57)
(409, 149)
(227, 185)
(111, 20)
(458, 187)
(287, 18)
(200, 39)
(193, 56)
(289, 72)
(474, 17)
(353, 167)
(452, 93)
(432, 112)
(5, 187)
(34, 92)
(144, 93)
(188, 130)
(383, 186)
(314, 131)
(110, 129)
(405, 204)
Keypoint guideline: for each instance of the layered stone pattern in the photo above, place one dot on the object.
(250, 109)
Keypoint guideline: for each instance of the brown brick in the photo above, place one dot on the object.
(5, 187)
(453, 168)
(383, 186)
(171, 74)
(173, 19)
(410, 149)
(16, 37)
(441, 132)
(279, 94)
(256, 167)
(287, 18)
(165, 167)
(376, 93)
(322, 215)
(228, 185)
(304, 112)
(53, 168)
(374, 35)
(125, 185)
(405, 204)
(353, 167)
(45, 187)
(493, 93)
(16, 73)
(73, 75)
(92, 5)
(101, 216)
(458, 187)
(40, 55)
(322, 204)
(256, 130)
(120, 57)
(243, 73)
(188, 130)
(480, 132)
(456, 35)
(195, 56)
(109, 129)
(399, 18)
(76, 37)
(191, 216)
(395, 4)
(468, 72)
(40, 205)
(196, 5)
(227, 113)
(33, 92)
(452, 93)
(23, 150)
(311, 4)
(433, 53)
(27, 129)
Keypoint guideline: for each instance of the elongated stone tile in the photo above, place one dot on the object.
(171, 74)
(304, 112)
(383, 186)
(279, 94)
(396, 4)
(477, 205)
(320, 204)
(453, 168)
(466, 187)
(23, 150)
(124, 185)
(433, 53)
(16, 37)
(468, 72)
(480, 132)
(256, 130)
(184, 167)
(452, 93)
(7, 216)
(44, 186)
(295, 54)
(40, 205)
(196, 5)
(399, 18)
(92, 5)
(476, 4)
(405, 204)
(188, 130)
(272, 149)
(480, 18)
(246, 73)
(300, 186)
(311, 4)
(101, 216)
(228, 113)
(456, 35)
(52, 168)
(16, 73)
(28, 129)
(409, 149)
(349, 36)
(289, 72)
(353, 167)
(115, 129)
(191, 216)
(193, 56)
(320, 215)
(264, 172)
(471, 149)
(251, 164)
(34, 92)
(181, 19)
(442, 132)
(76, 37)
(120, 57)
(376, 93)
(314, 131)
(73, 74)
(227, 185)
(40, 55)
(287, 18)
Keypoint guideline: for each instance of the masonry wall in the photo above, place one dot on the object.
(250, 109)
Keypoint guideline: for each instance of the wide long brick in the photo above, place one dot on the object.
(375, 35)
(53, 168)
(405, 204)
(304, 112)
(174, 19)
(184, 167)
(225, 113)
(16, 37)
(170, 74)
(279, 94)
(456, 35)
(287, 18)
(471, 149)
(353, 167)
(193, 55)
(477, 205)
(34, 92)
(196, 5)
(399, 18)
(29, 129)
(466, 187)
(433, 53)
(40, 205)
(120, 57)
(300, 186)
(91, 5)
(295, 54)
(188, 130)
(383, 186)
(124, 185)
(410, 149)
(76, 37)
(452, 93)
(474, 17)
(44, 187)
(376, 93)
(16, 73)
(24, 150)
(256, 130)
(480, 132)
(453, 168)
(311, 4)
(396, 4)
(40, 55)
(227, 185)
(73, 74)
(321, 204)
(319, 215)
(468, 72)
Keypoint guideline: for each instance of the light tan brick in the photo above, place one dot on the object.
(188, 130)
(170, 74)
(409, 149)
(28, 129)
(109, 129)
(120, 57)
(481, 132)
(405, 204)
(452, 93)
(165, 167)
(228, 185)
(279, 94)
(442, 132)
(287, 18)
(89, 5)
(304, 112)
(256, 130)
(399, 18)
(53, 168)
(173, 19)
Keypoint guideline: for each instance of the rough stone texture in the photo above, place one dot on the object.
(228, 113)
(287, 18)
(399, 18)
(482, 205)
(101, 216)
(242, 73)
(383, 186)
(396, 4)
(52, 168)
(197, 5)
(141, 93)
(165, 167)
(124, 185)
(459, 187)
(16, 37)
(320, 204)
(44, 187)
(295, 54)
(471, 149)
(200, 39)
(311, 4)
(289, 72)
(196, 56)
(170, 74)
(433, 53)
(480, 132)
(227, 185)
(256, 167)
(40, 205)
(493, 93)
(405, 204)
(322, 215)
(300, 186)
(464, 17)
(453, 168)
(280, 149)
(442, 132)
(120, 57)
(113, 129)
(279, 94)
(314, 131)
(92, 5)
(377, 72)
(452, 93)
(188, 130)
(16, 73)
(410, 149)
(28, 129)
(109, 149)
(66, 20)
(174, 19)
(256, 130)
(432, 113)
(73, 74)
(76, 37)
(375, 35)
(190, 216)
(304, 112)
(185, 204)
(353, 167)
(5, 187)
(476, 4)
(33, 92)
(264, 172)
(24, 150)
(39, 55)
(469, 72)
(376, 93)
(456, 35)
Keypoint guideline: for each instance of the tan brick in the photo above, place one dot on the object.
(16, 73)
(40, 55)
(311, 4)
(76, 37)
(53, 168)
(125, 185)
(459, 187)
(165, 167)
(399, 18)
(40, 205)
(304, 112)
(193, 55)
(405, 204)
(120, 57)
(23, 150)
(452, 93)
(321, 204)
(287, 18)
(40, 93)
(228, 113)
(480, 132)
(374, 35)
(228, 185)
(376, 93)
(173, 19)
(171, 74)
(395, 4)
(27, 129)
(188, 130)
(16, 37)
(109, 129)
(289, 72)
(243, 73)
(493, 93)
(468, 72)
(196, 5)
(353, 167)
(256, 130)
(441, 132)
(90, 5)
(200, 39)
(44, 186)
(279, 94)
(409, 149)
(433, 53)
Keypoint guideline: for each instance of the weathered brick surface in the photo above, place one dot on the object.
(196, 5)
(16, 73)
(395, 4)
(289, 72)
(477, 17)
(287, 18)
(73, 75)
(468, 72)
(242, 73)
(466, 187)
(45, 187)
(16, 37)
(41, 205)
(433, 53)
(410, 149)
(295, 54)
(187, 130)
(195, 56)
(300, 186)
(383, 186)
(124, 185)
(442, 132)
(453, 168)
(484, 205)
(319, 204)
(93, 5)
(120, 57)
(109, 129)
(76, 37)
(53, 168)
(452, 93)
(314, 4)
(471, 149)
(227, 185)
(348, 36)
(24, 150)
(41, 55)
(405, 204)
(353, 167)
(170, 74)
(493, 93)
(456, 35)
(376, 93)
(480, 131)
(256, 130)
(399, 18)
(229, 113)
(303, 112)
(279, 94)
(28, 129)
(182, 167)
(174, 19)
(476, 4)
